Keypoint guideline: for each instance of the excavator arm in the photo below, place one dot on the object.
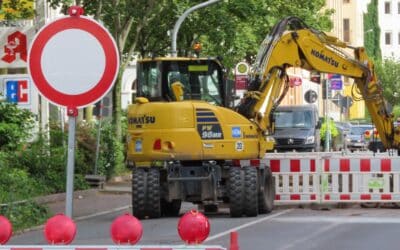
(293, 44)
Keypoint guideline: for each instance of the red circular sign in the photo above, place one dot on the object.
(73, 61)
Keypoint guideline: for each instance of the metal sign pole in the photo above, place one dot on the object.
(98, 137)
(327, 119)
(72, 114)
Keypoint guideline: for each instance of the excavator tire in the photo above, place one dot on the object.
(266, 194)
(170, 209)
(139, 192)
(250, 191)
(236, 191)
(153, 193)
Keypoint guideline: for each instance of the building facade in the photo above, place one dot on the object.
(389, 15)
(347, 26)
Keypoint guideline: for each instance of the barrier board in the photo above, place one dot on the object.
(334, 177)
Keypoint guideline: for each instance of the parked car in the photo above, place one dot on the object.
(297, 128)
(355, 139)
(373, 139)
(339, 141)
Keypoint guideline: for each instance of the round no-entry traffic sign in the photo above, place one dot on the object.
(73, 61)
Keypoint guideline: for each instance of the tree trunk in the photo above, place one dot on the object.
(117, 113)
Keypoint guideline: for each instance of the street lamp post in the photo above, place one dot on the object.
(181, 19)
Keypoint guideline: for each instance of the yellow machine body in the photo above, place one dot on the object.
(190, 130)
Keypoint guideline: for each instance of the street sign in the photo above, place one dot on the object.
(295, 81)
(73, 61)
(315, 76)
(310, 96)
(242, 68)
(241, 82)
(336, 82)
(14, 45)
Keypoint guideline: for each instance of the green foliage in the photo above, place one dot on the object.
(25, 215)
(396, 111)
(15, 126)
(112, 151)
(372, 31)
(388, 71)
(17, 9)
(15, 184)
(46, 164)
(16, 190)
(332, 129)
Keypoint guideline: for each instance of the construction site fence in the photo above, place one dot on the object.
(334, 177)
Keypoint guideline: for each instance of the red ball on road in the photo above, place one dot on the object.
(60, 229)
(193, 227)
(5, 230)
(126, 229)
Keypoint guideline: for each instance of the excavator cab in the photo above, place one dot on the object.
(195, 78)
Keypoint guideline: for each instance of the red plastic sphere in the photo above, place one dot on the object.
(193, 227)
(5, 230)
(60, 229)
(126, 229)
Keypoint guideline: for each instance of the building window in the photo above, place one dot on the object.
(346, 30)
(387, 7)
(388, 38)
(346, 1)
(398, 8)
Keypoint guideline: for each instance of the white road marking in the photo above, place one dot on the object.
(246, 225)
(102, 213)
(295, 243)
(341, 219)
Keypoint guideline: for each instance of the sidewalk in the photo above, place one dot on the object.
(114, 196)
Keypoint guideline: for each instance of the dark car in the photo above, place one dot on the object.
(355, 139)
(297, 128)
(339, 141)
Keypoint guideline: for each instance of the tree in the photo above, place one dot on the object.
(233, 30)
(372, 31)
(14, 10)
(388, 72)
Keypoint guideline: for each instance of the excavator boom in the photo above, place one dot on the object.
(293, 44)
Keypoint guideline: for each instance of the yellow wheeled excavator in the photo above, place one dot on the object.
(185, 138)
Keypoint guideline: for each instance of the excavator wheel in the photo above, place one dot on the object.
(153, 193)
(236, 191)
(139, 193)
(170, 209)
(146, 193)
(266, 193)
(250, 191)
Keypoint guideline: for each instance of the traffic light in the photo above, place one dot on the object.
(325, 84)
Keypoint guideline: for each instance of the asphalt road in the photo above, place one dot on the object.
(286, 228)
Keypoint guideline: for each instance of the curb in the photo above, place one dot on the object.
(61, 196)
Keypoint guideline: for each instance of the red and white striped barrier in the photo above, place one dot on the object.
(112, 247)
(333, 177)
(361, 179)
